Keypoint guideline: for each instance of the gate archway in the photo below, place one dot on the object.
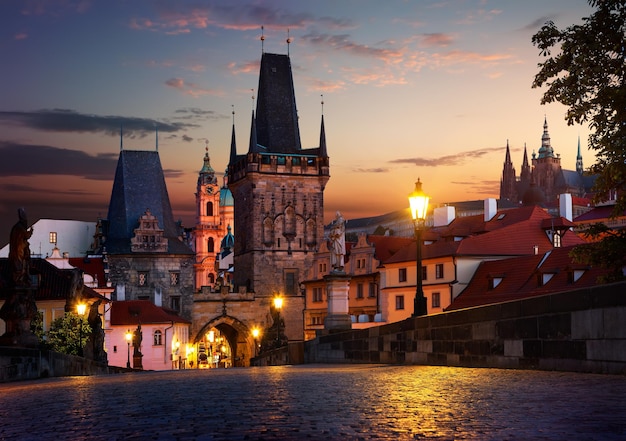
(236, 334)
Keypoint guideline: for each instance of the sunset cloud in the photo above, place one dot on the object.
(449, 160)
(188, 88)
(70, 121)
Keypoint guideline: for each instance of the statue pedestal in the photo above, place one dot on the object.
(337, 287)
(18, 311)
(137, 364)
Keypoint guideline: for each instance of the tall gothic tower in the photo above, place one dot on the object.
(278, 190)
(508, 184)
(209, 228)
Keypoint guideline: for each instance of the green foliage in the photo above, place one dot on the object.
(65, 333)
(609, 253)
(588, 74)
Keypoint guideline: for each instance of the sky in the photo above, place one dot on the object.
(429, 89)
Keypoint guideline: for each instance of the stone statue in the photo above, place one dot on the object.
(19, 308)
(19, 250)
(337, 242)
(137, 337)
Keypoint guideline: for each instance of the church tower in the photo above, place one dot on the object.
(278, 190)
(579, 160)
(547, 167)
(508, 186)
(209, 229)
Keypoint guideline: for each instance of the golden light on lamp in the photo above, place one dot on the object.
(81, 308)
(278, 302)
(418, 202)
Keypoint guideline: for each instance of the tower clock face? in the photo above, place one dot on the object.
(209, 190)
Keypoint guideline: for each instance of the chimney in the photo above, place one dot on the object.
(443, 216)
(491, 208)
(565, 206)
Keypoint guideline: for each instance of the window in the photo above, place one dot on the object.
(209, 208)
(436, 300)
(372, 290)
(158, 338)
(399, 303)
(402, 275)
(424, 273)
(317, 320)
(211, 245)
(291, 282)
(53, 237)
(174, 278)
(439, 271)
(175, 303)
(359, 291)
(317, 295)
(142, 278)
(556, 239)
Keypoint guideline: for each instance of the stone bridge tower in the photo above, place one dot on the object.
(278, 191)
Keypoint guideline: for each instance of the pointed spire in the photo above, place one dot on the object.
(262, 39)
(507, 158)
(253, 142)
(323, 150)
(525, 160)
(233, 143)
(579, 160)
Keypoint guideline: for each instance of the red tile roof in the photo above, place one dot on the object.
(134, 312)
(597, 214)
(387, 246)
(54, 283)
(92, 266)
(521, 277)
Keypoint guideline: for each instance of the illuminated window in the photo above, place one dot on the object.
(53, 237)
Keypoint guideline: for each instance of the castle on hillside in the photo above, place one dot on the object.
(542, 180)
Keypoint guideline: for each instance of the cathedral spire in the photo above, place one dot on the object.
(579, 160)
(507, 158)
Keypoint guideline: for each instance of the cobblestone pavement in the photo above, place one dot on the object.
(318, 402)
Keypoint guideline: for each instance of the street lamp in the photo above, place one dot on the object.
(129, 337)
(419, 205)
(80, 309)
(255, 336)
(278, 304)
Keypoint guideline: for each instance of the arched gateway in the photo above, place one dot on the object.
(224, 341)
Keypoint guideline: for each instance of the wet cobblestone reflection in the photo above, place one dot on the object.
(356, 402)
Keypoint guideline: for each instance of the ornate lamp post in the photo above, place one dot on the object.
(419, 205)
(129, 337)
(81, 308)
(278, 304)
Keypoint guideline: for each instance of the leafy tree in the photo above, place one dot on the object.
(588, 74)
(611, 253)
(65, 333)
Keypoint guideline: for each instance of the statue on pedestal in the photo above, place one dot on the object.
(337, 243)
(19, 309)
(137, 355)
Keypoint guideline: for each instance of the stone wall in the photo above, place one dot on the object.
(29, 364)
(580, 331)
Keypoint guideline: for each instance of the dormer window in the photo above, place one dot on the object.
(575, 275)
(544, 278)
(495, 280)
